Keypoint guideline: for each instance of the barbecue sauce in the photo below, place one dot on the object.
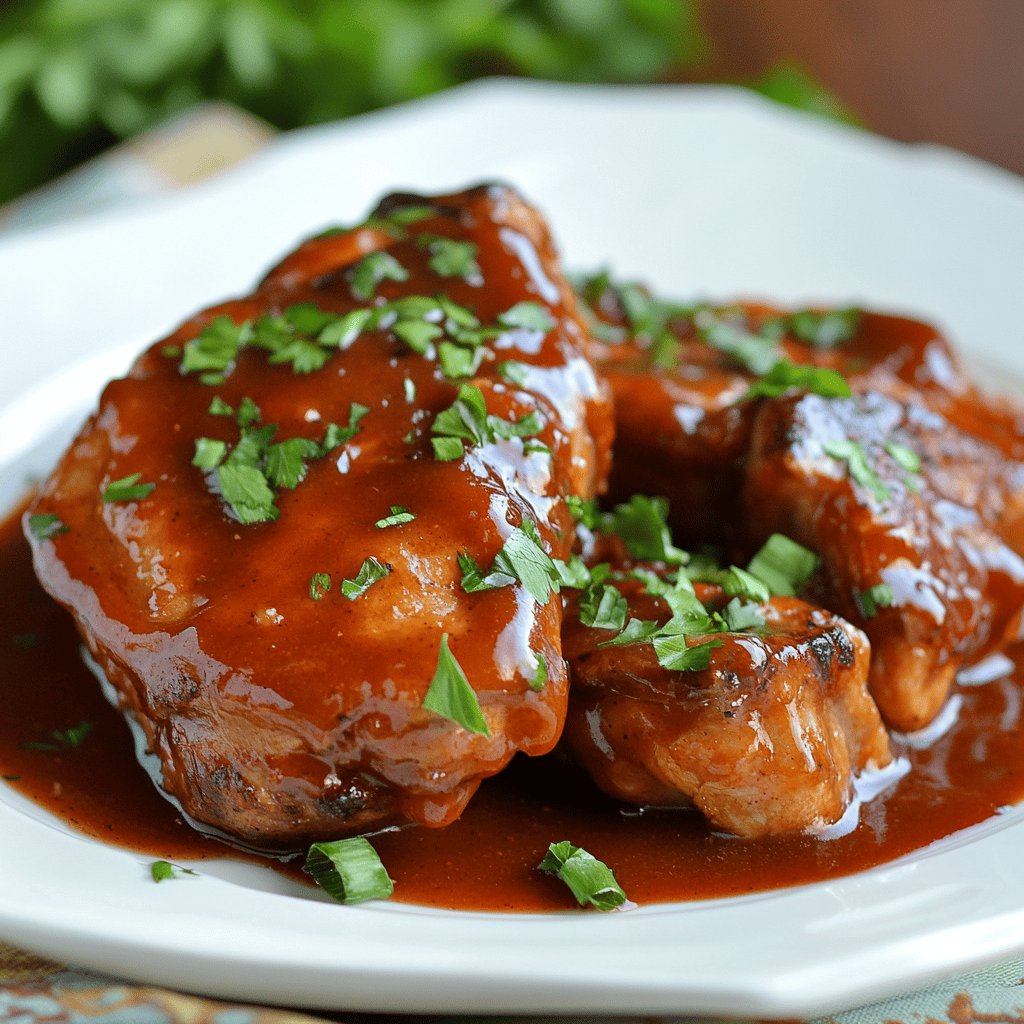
(487, 859)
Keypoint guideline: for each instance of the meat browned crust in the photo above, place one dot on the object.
(279, 719)
(765, 741)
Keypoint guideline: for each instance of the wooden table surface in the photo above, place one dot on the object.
(949, 71)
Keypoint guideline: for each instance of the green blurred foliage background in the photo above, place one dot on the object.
(77, 75)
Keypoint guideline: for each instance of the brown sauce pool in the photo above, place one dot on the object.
(487, 860)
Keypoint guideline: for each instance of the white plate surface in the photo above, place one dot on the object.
(700, 191)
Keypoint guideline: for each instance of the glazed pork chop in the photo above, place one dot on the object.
(763, 733)
(263, 533)
(898, 503)
(681, 375)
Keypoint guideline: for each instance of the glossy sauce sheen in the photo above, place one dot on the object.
(278, 718)
(486, 860)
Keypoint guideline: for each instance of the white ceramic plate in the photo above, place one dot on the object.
(701, 191)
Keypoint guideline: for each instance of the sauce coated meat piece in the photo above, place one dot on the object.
(898, 502)
(766, 740)
(271, 612)
(680, 373)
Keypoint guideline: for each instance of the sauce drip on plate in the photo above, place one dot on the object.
(486, 860)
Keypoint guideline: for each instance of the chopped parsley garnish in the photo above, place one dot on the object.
(758, 353)
(164, 871)
(449, 258)
(127, 488)
(514, 372)
(456, 361)
(824, 328)
(319, 585)
(393, 223)
(785, 375)
(649, 319)
(46, 525)
(584, 511)
(783, 565)
(336, 436)
(642, 524)
(589, 880)
(539, 679)
(451, 696)
(742, 617)
(674, 654)
(906, 458)
(528, 316)
(209, 453)
(370, 572)
(218, 407)
(61, 739)
(522, 557)
(304, 336)
(861, 470)
(372, 270)
(636, 631)
(737, 582)
(215, 349)
(349, 870)
(603, 607)
(466, 421)
(248, 476)
(875, 598)
(397, 516)
(245, 491)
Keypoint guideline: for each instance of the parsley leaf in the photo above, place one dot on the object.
(61, 739)
(875, 598)
(127, 488)
(523, 558)
(286, 461)
(636, 631)
(906, 458)
(209, 453)
(216, 346)
(589, 880)
(349, 870)
(398, 516)
(757, 353)
(319, 585)
(164, 871)
(343, 331)
(737, 582)
(245, 490)
(373, 269)
(450, 258)
(603, 607)
(741, 617)
(783, 565)
(475, 580)
(465, 419)
(529, 316)
(674, 654)
(861, 470)
(451, 696)
(46, 525)
(370, 572)
(457, 361)
(785, 375)
(824, 329)
(539, 679)
(641, 523)
(337, 436)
